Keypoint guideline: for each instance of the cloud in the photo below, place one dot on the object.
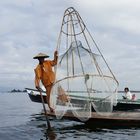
(29, 27)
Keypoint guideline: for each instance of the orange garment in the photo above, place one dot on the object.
(45, 73)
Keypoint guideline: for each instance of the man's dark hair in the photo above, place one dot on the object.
(126, 88)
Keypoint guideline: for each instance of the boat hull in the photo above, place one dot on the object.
(113, 120)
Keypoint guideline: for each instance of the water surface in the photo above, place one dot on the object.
(22, 119)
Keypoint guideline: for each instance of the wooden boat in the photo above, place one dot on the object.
(122, 105)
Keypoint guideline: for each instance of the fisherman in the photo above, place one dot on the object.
(45, 74)
(128, 94)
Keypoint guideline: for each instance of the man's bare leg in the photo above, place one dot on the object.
(48, 88)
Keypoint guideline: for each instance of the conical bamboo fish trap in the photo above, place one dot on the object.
(83, 77)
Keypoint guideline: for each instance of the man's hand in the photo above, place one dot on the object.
(56, 53)
(38, 88)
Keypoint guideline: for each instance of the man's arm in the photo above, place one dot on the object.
(37, 80)
(54, 62)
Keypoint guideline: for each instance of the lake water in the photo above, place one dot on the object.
(22, 119)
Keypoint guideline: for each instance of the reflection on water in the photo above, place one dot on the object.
(65, 129)
(42, 124)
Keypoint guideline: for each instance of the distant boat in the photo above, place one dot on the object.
(122, 104)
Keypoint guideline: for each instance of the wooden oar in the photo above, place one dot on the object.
(46, 115)
(43, 103)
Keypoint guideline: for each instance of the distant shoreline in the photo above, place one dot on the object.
(133, 91)
(17, 90)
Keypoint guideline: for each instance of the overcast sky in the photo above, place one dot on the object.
(28, 27)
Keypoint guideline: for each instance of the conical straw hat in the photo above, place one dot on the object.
(40, 55)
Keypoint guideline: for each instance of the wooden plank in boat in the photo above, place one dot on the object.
(116, 119)
(113, 115)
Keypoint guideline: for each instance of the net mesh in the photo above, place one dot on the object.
(83, 78)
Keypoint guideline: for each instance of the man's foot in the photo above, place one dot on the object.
(51, 110)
